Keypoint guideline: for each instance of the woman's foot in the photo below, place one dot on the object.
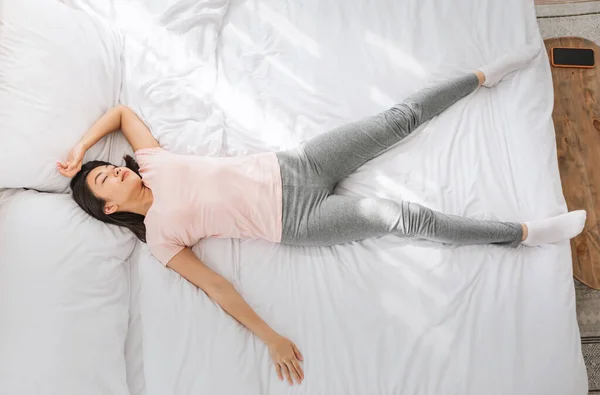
(554, 229)
(508, 63)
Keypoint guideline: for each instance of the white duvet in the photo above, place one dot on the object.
(387, 315)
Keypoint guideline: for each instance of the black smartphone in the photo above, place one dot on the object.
(573, 57)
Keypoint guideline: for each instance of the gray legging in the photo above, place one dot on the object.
(314, 216)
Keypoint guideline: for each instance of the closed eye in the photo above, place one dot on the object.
(105, 176)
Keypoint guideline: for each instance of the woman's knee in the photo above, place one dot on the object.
(405, 116)
(417, 220)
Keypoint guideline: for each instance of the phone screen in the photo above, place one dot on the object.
(573, 56)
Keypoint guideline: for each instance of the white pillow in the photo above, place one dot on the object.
(64, 298)
(60, 69)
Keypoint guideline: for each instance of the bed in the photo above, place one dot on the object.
(382, 316)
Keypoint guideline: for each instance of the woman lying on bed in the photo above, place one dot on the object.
(172, 201)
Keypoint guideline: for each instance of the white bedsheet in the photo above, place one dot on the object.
(383, 316)
(134, 356)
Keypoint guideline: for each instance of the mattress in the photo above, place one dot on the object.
(386, 315)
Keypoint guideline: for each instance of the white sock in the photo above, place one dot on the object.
(552, 230)
(510, 62)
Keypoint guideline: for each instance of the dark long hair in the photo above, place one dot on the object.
(94, 206)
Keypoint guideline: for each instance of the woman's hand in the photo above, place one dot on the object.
(74, 161)
(286, 357)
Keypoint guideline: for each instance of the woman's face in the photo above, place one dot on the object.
(118, 186)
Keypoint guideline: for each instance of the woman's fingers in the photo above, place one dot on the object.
(293, 372)
(298, 369)
(73, 167)
(286, 372)
(65, 172)
(297, 352)
(279, 374)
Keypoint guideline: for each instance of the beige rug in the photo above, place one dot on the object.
(588, 311)
(588, 317)
(554, 9)
(545, 2)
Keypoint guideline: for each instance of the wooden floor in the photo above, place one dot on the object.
(576, 118)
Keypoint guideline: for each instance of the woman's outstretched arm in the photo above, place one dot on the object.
(284, 353)
(120, 117)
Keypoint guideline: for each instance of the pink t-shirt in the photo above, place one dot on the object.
(197, 197)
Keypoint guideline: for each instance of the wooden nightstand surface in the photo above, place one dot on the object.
(576, 118)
